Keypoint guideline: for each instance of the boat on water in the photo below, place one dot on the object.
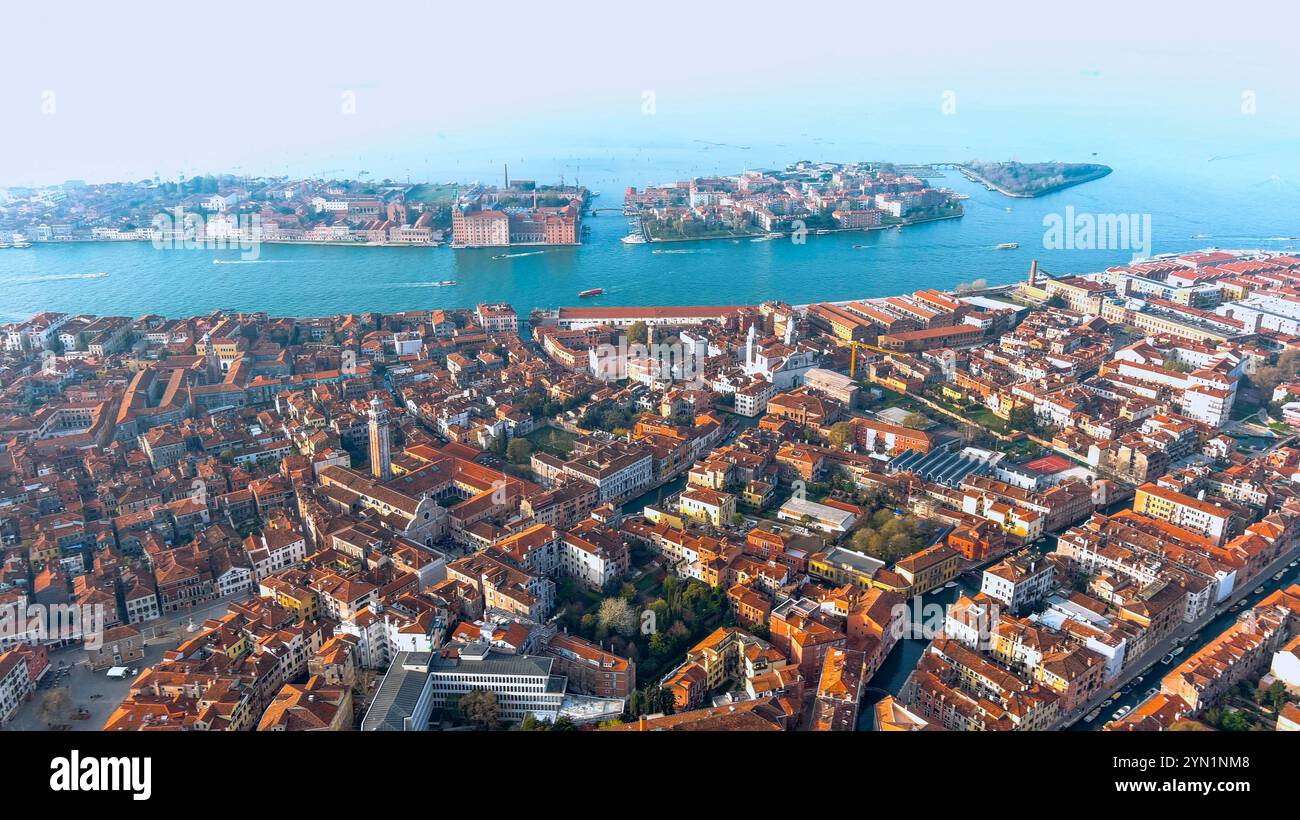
(633, 239)
(591, 292)
(1278, 576)
(1121, 712)
(20, 241)
(1177, 651)
(950, 585)
(1167, 659)
(1258, 590)
(1091, 716)
(445, 283)
(1007, 246)
(1154, 690)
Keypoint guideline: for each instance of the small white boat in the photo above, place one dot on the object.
(1091, 716)
(1177, 651)
(445, 283)
(633, 239)
(950, 585)
(1258, 590)
(1107, 702)
(1167, 659)
(1007, 246)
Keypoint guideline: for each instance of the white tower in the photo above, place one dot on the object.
(749, 348)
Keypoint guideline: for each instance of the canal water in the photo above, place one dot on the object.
(1209, 632)
(1190, 206)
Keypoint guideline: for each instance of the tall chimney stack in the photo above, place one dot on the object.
(1033, 273)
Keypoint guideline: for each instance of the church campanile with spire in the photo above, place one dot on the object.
(381, 461)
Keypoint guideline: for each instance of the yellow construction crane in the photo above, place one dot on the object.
(853, 355)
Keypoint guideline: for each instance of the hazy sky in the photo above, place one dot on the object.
(104, 91)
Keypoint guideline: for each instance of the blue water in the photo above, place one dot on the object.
(1194, 202)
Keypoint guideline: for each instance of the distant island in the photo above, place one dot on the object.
(228, 211)
(813, 197)
(1031, 179)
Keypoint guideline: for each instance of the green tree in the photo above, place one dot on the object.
(1275, 697)
(519, 450)
(638, 333)
(840, 434)
(479, 706)
(1233, 721)
(498, 445)
(532, 724)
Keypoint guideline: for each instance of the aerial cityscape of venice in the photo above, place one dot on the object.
(604, 374)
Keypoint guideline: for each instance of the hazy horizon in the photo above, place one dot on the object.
(449, 95)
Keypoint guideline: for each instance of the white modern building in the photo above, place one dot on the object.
(417, 683)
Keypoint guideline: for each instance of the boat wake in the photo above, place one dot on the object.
(59, 277)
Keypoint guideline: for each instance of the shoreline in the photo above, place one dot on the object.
(811, 231)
